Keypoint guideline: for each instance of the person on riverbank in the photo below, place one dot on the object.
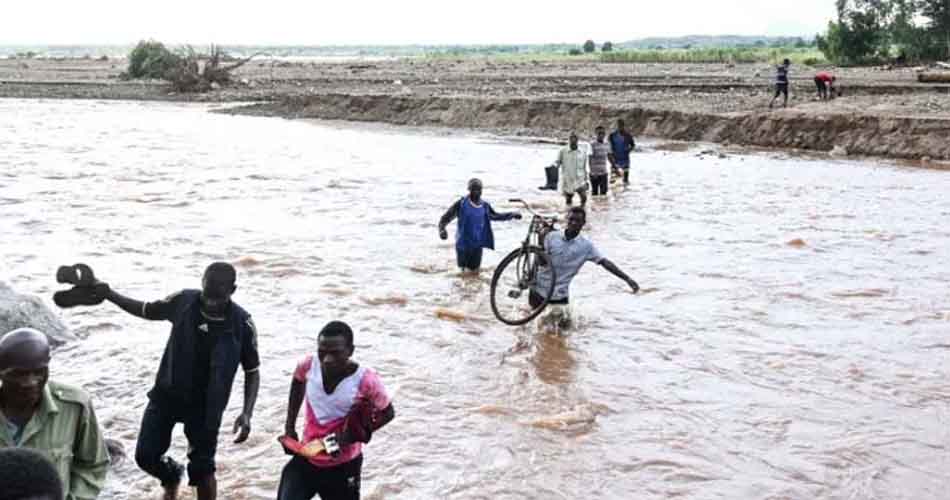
(26, 474)
(621, 145)
(599, 151)
(781, 83)
(54, 419)
(345, 403)
(474, 226)
(569, 252)
(825, 82)
(210, 336)
(572, 171)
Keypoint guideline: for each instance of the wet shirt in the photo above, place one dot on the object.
(65, 430)
(598, 157)
(208, 334)
(567, 258)
(573, 169)
(825, 77)
(325, 413)
(474, 223)
(201, 357)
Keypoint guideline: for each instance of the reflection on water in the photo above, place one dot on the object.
(792, 343)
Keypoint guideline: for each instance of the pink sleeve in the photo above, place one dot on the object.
(303, 367)
(371, 388)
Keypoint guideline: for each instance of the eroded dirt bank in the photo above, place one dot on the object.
(882, 113)
(898, 137)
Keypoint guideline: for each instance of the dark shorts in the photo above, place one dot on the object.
(535, 299)
(781, 88)
(469, 258)
(155, 438)
(300, 480)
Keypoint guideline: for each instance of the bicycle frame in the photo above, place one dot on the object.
(539, 224)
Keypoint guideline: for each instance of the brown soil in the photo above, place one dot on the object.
(882, 112)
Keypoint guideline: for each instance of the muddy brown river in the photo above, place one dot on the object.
(791, 342)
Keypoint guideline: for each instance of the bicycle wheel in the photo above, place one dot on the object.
(514, 278)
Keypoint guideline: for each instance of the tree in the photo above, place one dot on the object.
(607, 47)
(183, 69)
(860, 34)
(937, 13)
(589, 46)
(911, 40)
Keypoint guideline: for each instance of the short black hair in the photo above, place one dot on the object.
(338, 329)
(599, 127)
(222, 271)
(578, 210)
(24, 473)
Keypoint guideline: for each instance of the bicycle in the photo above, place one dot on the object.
(523, 265)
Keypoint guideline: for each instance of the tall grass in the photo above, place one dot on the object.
(806, 56)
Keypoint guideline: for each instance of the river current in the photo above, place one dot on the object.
(790, 342)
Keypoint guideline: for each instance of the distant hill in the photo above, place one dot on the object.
(690, 41)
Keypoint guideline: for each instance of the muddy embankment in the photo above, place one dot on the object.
(898, 137)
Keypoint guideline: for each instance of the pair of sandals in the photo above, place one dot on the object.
(86, 290)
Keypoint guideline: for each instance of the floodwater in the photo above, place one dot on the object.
(791, 342)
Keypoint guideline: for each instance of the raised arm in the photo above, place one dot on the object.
(127, 304)
(613, 269)
(157, 310)
(493, 215)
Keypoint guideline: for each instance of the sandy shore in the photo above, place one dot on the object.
(883, 112)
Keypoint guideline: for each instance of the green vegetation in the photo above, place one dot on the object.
(186, 70)
(150, 59)
(589, 46)
(872, 31)
(798, 55)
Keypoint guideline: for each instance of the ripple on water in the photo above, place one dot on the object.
(754, 371)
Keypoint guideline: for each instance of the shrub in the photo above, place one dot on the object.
(574, 52)
(150, 59)
(589, 46)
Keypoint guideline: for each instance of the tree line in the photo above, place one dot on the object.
(872, 31)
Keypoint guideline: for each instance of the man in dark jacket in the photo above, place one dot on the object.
(210, 337)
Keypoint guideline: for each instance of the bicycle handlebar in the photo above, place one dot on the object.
(548, 219)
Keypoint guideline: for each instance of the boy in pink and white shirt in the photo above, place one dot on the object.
(345, 403)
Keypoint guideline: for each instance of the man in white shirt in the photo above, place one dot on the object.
(572, 164)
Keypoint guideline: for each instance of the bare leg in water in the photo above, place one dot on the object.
(208, 488)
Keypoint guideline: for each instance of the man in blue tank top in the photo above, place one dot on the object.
(474, 227)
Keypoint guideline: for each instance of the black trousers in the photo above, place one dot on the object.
(822, 88)
(300, 480)
(155, 437)
(598, 184)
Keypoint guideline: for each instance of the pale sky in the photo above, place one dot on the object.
(329, 22)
